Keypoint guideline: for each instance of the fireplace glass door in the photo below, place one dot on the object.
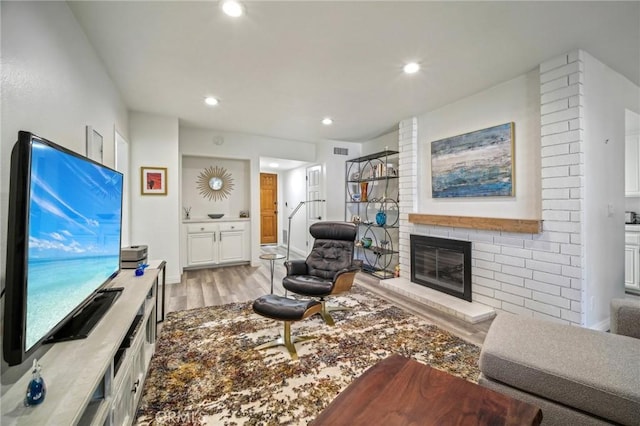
(442, 264)
(444, 267)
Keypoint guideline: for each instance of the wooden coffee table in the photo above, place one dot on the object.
(402, 391)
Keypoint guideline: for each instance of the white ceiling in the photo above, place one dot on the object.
(284, 66)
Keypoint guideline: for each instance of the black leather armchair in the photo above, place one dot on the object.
(330, 267)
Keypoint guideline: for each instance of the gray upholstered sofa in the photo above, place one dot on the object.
(577, 376)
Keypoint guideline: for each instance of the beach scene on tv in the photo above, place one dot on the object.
(74, 235)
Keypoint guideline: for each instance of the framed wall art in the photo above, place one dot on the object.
(94, 144)
(153, 180)
(476, 164)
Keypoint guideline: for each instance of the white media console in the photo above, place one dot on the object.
(97, 380)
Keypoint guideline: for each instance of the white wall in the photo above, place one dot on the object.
(155, 219)
(388, 141)
(606, 96)
(333, 175)
(238, 199)
(518, 101)
(632, 204)
(54, 85)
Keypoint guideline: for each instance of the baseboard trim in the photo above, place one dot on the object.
(603, 325)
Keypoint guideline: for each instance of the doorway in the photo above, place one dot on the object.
(268, 208)
(315, 202)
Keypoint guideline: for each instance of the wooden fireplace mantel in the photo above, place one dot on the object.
(526, 226)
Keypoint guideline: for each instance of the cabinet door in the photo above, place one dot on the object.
(201, 248)
(632, 166)
(122, 402)
(632, 267)
(231, 246)
(138, 370)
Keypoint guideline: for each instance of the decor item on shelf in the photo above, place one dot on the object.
(153, 180)
(355, 219)
(215, 215)
(476, 164)
(355, 197)
(366, 242)
(363, 191)
(215, 183)
(381, 217)
(355, 176)
(187, 212)
(36, 389)
(244, 213)
(396, 271)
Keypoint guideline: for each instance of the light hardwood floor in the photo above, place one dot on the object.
(218, 286)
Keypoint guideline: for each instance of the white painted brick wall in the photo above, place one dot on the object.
(535, 275)
(408, 187)
(543, 287)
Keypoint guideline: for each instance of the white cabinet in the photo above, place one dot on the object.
(130, 378)
(97, 380)
(217, 243)
(202, 244)
(232, 243)
(632, 261)
(632, 166)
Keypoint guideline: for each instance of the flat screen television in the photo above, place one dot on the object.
(63, 245)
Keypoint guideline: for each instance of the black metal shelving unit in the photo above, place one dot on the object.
(372, 202)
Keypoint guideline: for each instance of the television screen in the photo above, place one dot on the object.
(63, 240)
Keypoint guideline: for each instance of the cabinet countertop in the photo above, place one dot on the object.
(222, 219)
(632, 228)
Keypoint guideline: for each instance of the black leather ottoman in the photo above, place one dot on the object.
(287, 310)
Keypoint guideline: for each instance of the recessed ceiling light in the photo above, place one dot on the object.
(211, 101)
(411, 68)
(327, 121)
(232, 8)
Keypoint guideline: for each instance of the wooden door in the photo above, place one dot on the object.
(268, 208)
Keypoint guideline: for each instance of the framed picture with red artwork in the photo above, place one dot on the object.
(153, 180)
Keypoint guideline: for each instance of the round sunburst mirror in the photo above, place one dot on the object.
(215, 183)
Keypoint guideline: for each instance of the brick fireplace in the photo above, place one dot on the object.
(532, 274)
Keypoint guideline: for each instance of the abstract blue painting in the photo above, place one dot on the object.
(476, 164)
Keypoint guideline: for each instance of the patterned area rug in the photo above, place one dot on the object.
(205, 371)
